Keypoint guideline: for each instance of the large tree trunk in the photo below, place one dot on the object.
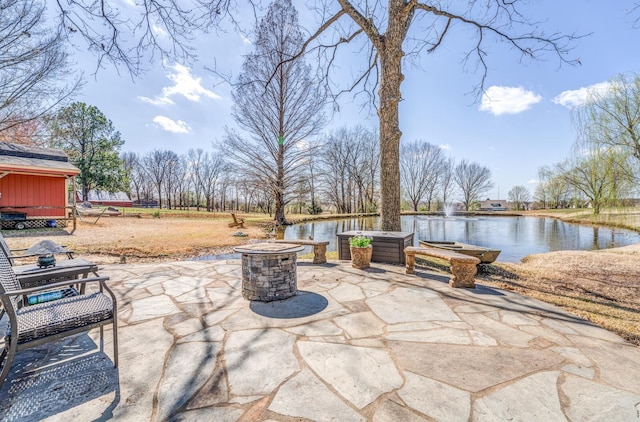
(390, 79)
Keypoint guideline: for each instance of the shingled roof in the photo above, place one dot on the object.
(30, 159)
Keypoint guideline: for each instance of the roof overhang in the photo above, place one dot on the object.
(37, 166)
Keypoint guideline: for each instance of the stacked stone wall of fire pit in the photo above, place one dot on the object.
(269, 277)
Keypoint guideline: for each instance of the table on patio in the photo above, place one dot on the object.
(269, 271)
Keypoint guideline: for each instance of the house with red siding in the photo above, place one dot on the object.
(35, 182)
(107, 199)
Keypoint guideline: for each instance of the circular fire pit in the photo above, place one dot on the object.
(269, 271)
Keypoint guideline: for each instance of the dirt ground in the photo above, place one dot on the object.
(143, 239)
(601, 286)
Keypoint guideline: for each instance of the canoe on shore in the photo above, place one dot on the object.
(485, 255)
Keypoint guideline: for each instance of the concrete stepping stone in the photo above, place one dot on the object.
(390, 411)
(471, 365)
(435, 399)
(305, 396)
(592, 401)
(152, 307)
(359, 374)
(534, 398)
(258, 361)
(410, 305)
(346, 292)
(441, 335)
(362, 324)
(187, 369)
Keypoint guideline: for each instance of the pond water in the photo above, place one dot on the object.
(516, 237)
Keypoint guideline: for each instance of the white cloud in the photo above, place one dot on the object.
(532, 181)
(157, 101)
(444, 146)
(159, 31)
(185, 84)
(171, 125)
(499, 100)
(578, 97)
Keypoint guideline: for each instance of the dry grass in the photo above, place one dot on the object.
(147, 238)
(600, 286)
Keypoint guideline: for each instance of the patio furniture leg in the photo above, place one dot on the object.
(115, 343)
(10, 355)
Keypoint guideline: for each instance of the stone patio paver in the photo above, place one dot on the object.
(353, 345)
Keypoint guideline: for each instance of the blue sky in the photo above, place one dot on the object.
(526, 124)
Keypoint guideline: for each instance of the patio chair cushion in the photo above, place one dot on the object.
(52, 318)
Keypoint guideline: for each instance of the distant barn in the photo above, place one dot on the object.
(34, 183)
(107, 199)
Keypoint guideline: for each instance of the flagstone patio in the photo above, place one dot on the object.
(353, 345)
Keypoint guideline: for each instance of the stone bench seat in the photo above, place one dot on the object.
(463, 267)
(319, 248)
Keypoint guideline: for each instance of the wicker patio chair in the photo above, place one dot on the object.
(30, 326)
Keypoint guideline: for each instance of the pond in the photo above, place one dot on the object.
(516, 237)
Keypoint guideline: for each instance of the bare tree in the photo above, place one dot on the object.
(157, 163)
(212, 167)
(519, 195)
(313, 164)
(350, 169)
(420, 171)
(473, 180)
(26, 133)
(364, 169)
(277, 105)
(196, 158)
(33, 64)
(336, 156)
(385, 27)
(447, 182)
(131, 164)
(175, 181)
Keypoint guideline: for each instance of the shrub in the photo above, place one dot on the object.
(360, 241)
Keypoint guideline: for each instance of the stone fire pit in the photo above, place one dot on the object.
(269, 271)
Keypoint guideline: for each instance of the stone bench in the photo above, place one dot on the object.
(463, 267)
(319, 248)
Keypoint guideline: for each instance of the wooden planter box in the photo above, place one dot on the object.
(388, 247)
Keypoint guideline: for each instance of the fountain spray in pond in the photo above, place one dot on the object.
(449, 209)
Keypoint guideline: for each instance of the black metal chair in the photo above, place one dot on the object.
(42, 323)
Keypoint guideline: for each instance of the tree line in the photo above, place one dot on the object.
(340, 174)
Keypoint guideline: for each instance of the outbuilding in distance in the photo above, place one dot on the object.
(34, 186)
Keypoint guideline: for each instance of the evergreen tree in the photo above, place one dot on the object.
(92, 144)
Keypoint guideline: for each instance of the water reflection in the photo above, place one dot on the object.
(517, 237)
